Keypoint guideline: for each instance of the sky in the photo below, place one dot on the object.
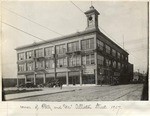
(123, 22)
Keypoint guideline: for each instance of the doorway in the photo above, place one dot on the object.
(74, 80)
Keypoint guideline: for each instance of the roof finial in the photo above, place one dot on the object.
(91, 5)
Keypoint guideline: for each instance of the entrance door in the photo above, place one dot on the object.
(74, 80)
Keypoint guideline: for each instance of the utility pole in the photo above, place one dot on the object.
(138, 71)
(123, 41)
(35, 61)
(55, 76)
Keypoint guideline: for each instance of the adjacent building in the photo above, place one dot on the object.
(86, 57)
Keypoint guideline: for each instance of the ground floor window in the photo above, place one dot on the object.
(62, 77)
(107, 77)
(48, 80)
(39, 81)
(74, 80)
(49, 77)
(88, 79)
(30, 78)
(21, 81)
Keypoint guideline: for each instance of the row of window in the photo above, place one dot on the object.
(74, 46)
(101, 61)
(114, 53)
(62, 62)
(72, 62)
(60, 49)
(22, 67)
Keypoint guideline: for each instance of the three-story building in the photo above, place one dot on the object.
(85, 57)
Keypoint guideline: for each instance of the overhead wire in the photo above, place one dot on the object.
(23, 31)
(45, 26)
(99, 26)
(77, 6)
(42, 25)
(111, 37)
(31, 21)
(105, 32)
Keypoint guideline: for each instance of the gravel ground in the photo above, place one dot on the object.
(94, 93)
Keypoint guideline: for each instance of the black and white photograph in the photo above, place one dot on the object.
(74, 51)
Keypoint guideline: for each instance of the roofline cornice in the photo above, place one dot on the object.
(59, 38)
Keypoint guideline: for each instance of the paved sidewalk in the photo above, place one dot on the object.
(45, 91)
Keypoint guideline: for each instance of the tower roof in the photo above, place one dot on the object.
(91, 10)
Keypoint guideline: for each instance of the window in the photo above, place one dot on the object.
(119, 65)
(29, 66)
(126, 66)
(70, 60)
(21, 56)
(114, 64)
(83, 44)
(84, 60)
(122, 57)
(91, 43)
(74, 46)
(39, 53)
(122, 65)
(87, 44)
(49, 64)
(92, 59)
(100, 44)
(108, 62)
(29, 54)
(78, 59)
(69, 47)
(88, 59)
(40, 64)
(74, 61)
(62, 62)
(118, 55)
(49, 51)
(107, 49)
(126, 58)
(100, 59)
(113, 52)
(21, 67)
(61, 49)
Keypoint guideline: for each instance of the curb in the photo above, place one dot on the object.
(40, 95)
